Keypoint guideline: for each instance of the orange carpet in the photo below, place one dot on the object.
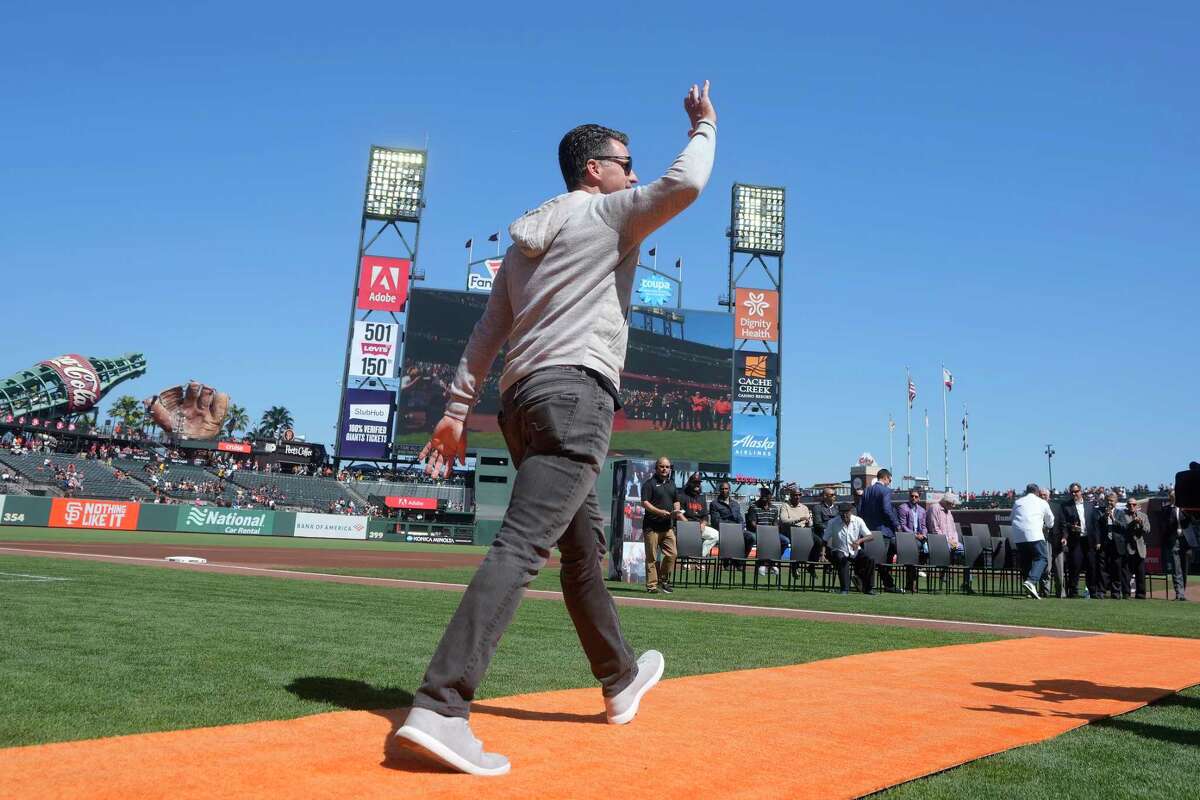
(837, 728)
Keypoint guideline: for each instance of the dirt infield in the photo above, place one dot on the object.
(986, 698)
(279, 557)
(56, 550)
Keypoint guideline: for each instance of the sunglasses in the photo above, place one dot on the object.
(624, 162)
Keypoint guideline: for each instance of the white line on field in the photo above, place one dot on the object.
(21, 577)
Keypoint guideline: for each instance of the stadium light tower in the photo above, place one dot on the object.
(395, 198)
(756, 229)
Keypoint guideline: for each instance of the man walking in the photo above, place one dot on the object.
(660, 505)
(878, 514)
(1031, 517)
(561, 300)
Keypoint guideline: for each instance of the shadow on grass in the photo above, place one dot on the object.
(1065, 691)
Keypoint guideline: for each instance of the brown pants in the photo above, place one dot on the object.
(656, 541)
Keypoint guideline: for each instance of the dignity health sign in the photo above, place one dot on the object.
(754, 446)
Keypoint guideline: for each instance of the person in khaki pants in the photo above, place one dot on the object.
(660, 501)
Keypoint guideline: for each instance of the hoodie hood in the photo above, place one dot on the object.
(534, 231)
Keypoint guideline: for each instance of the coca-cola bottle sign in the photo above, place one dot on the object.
(80, 379)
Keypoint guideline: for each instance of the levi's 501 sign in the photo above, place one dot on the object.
(756, 315)
(383, 283)
(373, 350)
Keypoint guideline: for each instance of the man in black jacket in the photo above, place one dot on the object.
(1134, 527)
(1176, 550)
(1075, 523)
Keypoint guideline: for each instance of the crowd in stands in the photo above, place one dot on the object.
(678, 409)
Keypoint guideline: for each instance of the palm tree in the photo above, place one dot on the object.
(274, 421)
(128, 411)
(236, 419)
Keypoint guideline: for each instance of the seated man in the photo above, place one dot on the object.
(844, 537)
(725, 509)
(693, 507)
(913, 520)
(940, 519)
(763, 512)
(794, 514)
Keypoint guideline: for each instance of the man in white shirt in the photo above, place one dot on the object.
(845, 536)
(1031, 517)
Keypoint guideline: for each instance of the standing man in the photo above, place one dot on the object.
(846, 534)
(561, 300)
(824, 512)
(878, 514)
(660, 501)
(1111, 550)
(1075, 519)
(1175, 550)
(1031, 517)
(1135, 527)
(940, 519)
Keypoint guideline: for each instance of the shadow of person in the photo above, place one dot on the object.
(539, 716)
(1063, 691)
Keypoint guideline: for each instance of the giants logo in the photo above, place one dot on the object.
(80, 378)
(383, 283)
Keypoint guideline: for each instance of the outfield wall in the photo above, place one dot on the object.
(117, 515)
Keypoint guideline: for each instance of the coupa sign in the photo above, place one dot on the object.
(209, 519)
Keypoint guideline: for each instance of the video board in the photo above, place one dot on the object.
(675, 388)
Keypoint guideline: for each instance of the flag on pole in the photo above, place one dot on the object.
(912, 391)
(495, 237)
(469, 243)
(679, 263)
(964, 424)
(653, 252)
(891, 423)
(947, 379)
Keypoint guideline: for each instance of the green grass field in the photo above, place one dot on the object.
(122, 649)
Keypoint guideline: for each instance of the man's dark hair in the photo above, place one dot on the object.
(884, 473)
(582, 144)
(1032, 488)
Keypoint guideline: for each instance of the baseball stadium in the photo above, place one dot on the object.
(279, 524)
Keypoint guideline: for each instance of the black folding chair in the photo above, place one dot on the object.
(803, 542)
(981, 530)
(688, 559)
(939, 558)
(877, 548)
(973, 547)
(908, 552)
(768, 556)
(732, 553)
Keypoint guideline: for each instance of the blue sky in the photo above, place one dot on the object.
(1011, 191)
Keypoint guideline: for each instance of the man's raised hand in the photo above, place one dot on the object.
(447, 445)
(699, 107)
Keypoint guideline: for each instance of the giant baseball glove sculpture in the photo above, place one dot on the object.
(193, 412)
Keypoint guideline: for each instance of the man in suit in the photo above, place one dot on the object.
(1176, 551)
(1110, 549)
(877, 512)
(1134, 527)
(1075, 521)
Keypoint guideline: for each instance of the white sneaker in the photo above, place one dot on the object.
(922, 574)
(623, 706)
(1031, 590)
(774, 570)
(449, 739)
(762, 570)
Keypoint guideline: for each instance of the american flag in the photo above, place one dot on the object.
(912, 391)
(947, 379)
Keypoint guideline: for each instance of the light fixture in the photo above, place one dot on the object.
(757, 225)
(395, 183)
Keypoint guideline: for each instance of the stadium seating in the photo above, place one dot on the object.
(174, 474)
(98, 480)
(452, 494)
(298, 491)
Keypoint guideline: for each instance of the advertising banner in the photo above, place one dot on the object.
(439, 535)
(482, 274)
(155, 517)
(80, 378)
(756, 377)
(366, 424)
(383, 283)
(330, 526)
(422, 503)
(756, 315)
(373, 349)
(234, 447)
(112, 515)
(213, 519)
(20, 510)
(754, 446)
(652, 289)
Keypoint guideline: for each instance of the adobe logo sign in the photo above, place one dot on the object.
(383, 283)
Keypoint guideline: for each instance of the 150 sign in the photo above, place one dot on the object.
(373, 350)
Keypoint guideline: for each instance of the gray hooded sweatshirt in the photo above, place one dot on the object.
(561, 296)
